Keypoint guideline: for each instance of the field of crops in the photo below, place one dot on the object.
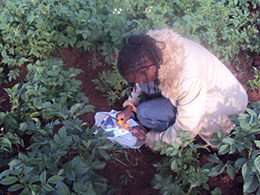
(58, 68)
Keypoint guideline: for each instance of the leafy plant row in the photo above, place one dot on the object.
(62, 152)
(31, 29)
(181, 172)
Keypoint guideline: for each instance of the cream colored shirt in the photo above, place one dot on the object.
(206, 93)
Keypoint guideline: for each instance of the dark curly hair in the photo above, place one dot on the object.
(135, 53)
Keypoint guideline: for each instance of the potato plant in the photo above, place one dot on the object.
(62, 162)
(180, 172)
(112, 85)
(255, 82)
(64, 151)
(32, 29)
(244, 145)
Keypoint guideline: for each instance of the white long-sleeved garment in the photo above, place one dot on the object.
(202, 88)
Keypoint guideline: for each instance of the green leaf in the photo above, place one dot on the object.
(70, 29)
(157, 148)
(76, 187)
(62, 189)
(62, 133)
(220, 134)
(214, 159)
(98, 165)
(176, 145)
(37, 102)
(168, 150)
(6, 142)
(55, 179)
(174, 165)
(14, 163)
(227, 140)
(23, 126)
(6, 172)
(42, 43)
(35, 161)
(257, 163)
(27, 170)
(158, 177)
(43, 177)
(205, 186)
(250, 185)
(104, 154)
(90, 190)
(74, 107)
(112, 191)
(245, 126)
(47, 105)
(2, 115)
(257, 142)
(34, 187)
(216, 191)
(34, 178)
(215, 142)
(231, 172)
(246, 171)
(48, 187)
(206, 169)
(15, 187)
(215, 171)
(23, 157)
(62, 171)
(9, 180)
(71, 175)
(250, 111)
(223, 149)
(158, 186)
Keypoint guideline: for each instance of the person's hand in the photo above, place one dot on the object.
(139, 132)
(124, 116)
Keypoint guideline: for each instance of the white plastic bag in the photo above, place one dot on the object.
(121, 136)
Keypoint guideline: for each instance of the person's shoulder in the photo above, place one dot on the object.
(165, 34)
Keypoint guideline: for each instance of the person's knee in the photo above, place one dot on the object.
(141, 112)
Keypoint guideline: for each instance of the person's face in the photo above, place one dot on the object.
(140, 76)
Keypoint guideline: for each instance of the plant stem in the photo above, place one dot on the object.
(69, 152)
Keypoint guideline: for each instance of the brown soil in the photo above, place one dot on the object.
(135, 178)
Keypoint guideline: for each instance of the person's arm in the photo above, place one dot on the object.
(130, 105)
(190, 111)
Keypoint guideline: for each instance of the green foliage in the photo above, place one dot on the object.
(216, 191)
(180, 172)
(223, 27)
(47, 81)
(63, 163)
(32, 29)
(112, 85)
(255, 83)
(242, 143)
(6, 149)
(63, 153)
(144, 97)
